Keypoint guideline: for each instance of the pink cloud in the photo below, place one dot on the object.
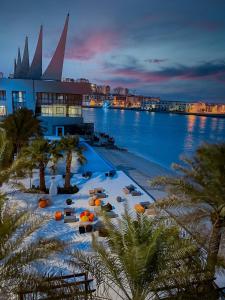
(92, 44)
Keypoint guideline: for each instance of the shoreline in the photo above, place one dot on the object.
(136, 167)
(210, 115)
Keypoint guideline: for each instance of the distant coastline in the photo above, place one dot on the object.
(212, 115)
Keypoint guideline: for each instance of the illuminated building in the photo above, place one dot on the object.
(57, 102)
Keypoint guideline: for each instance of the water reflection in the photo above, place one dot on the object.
(202, 123)
(191, 122)
(155, 136)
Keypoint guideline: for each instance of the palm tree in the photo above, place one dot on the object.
(39, 154)
(143, 259)
(6, 150)
(20, 127)
(198, 194)
(16, 252)
(69, 145)
(9, 168)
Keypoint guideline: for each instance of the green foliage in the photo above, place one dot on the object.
(197, 194)
(144, 259)
(18, 251)
(20, 127)
(69, 145)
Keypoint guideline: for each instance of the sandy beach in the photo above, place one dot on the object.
(139, 169)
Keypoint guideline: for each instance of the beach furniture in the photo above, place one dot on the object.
(98, 202)
(139, 208)
(96, 191)
(145, 204)
(101, 195)
(87, 174)
(136, 193)
(119, 199)
(126, 190)
(69, 215)
(69, 201)
(43, 202)
(58, 215)
(81, 229)
(91, 202)
(108, 207)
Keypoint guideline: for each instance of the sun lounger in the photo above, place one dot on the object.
(100, 195)
(126, 191)
(136, 193)
(119, 199)
(145, 204)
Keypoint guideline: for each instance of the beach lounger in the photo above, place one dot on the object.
(126, 191)
(145, 204)
(100, 195)
(136, 193)
(119, 199)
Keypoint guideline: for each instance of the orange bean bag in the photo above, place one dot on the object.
(139, 208)
(43, 203)
(84, 218)
(58, 215)
(98, 202)
(91, 217)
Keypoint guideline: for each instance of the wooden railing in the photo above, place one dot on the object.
(74, 286)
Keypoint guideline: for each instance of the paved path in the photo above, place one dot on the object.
(140, 169)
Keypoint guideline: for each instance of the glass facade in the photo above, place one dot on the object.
(2, 95)
(57, 104)
(19, 99)
(2, 110)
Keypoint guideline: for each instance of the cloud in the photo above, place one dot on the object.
(214, 70)
(92, 44)
(155, 60)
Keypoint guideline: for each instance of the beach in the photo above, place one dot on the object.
(141, 170)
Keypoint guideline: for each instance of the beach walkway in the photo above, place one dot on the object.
(139, 169)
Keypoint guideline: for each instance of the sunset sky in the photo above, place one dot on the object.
(174, 49)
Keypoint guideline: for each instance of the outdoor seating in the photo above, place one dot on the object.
(119, 199)
(136, 193)
(58, 215)
(69, 215)
(101, 195)
(42, 202)
(91, 202)
(145, 204)
(139, 208)
(81, 229)
(126, 190)
(87, 174)
(108, 207)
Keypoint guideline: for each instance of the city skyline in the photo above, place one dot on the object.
(172, 50)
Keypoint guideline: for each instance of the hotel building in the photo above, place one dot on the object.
(57, 103)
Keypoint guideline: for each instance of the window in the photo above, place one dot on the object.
(2, 110)
(74, 111)
(19, 100)
(60, 110)
(46, 110)
(2, 95)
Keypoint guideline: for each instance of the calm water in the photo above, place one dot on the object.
(158, 137)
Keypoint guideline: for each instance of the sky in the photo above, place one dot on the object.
(173, 49)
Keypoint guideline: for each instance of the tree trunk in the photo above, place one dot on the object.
(42, 177)
(68, 170)
(214, 245)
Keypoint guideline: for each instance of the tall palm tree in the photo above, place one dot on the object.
(198, 194)
(39, 154)
(69, 145)
(143, 259)
(16, 252)
(9, 168)
(20, 126)
(6, 150)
